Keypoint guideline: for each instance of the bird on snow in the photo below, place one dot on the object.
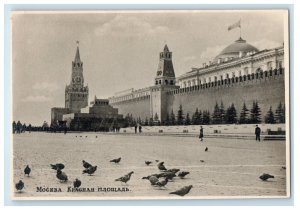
(162, 183)
(90, 170)
(27, 170)
(86, 164)
(57, 166)
(61, 175)
(173, 170)
(161, 166)
(182, 174)
(182, 191)
(206, 149)
(77, 183)
(202, 161)
(125, 178)
(117, 160)
(20, 185)
(265, 177)
(148, 162)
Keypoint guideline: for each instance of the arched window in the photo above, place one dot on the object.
(166, 81)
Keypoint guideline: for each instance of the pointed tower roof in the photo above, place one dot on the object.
(77, 56)
(166, 49)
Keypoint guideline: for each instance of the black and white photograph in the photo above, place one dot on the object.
(150, 104)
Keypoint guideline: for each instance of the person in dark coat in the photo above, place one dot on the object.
(135, 128)
(257, 133)
(201, 134)
(140, 129)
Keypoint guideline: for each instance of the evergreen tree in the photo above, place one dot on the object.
(255, 113)
(270, 117)
(200, 118)
(187, 119)
(216, 117)
(151, 122)
(244, 115)
(195, 118)
(167, 121)
(146, 121)
(231, 117)
(180, 118)
(156, 117)
(206, 117)
(280, 114)
(222, 113)
(172, 120)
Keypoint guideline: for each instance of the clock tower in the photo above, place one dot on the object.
(76, 94)
(164, 82)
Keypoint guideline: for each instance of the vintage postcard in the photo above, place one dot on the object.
(150, 104)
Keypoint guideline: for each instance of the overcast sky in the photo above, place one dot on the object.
(119, 50)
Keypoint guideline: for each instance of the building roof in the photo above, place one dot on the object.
(234, 49)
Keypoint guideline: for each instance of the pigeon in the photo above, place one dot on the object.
(125, 178)
(86, 164)
(27, 170)
(90, 170)
(61, 175)
(77, 183)
(148, 177)
(96, 136)
(265, 177)
(206, 149)
(117, 160)
(161, 166)
(20, 185)
(153, 180)
(283, 167)
(162, 183)
(85, 136)
(169, 175)
(202, 161)
(182, 191)
(173, 170)
(148, 162)
(76, 136)
(182, 174)
(57, 166)
(157, 161)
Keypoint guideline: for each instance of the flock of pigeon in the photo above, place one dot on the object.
(157, 180)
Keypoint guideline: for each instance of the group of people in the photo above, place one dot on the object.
(136, 127)
(257, 133)
(19, 128)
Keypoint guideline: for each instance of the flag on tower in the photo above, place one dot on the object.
(235, 25)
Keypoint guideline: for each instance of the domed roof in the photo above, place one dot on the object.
(234, 49)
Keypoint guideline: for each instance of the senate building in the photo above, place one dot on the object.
(240, 73)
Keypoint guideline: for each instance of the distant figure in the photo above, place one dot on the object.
(201, 134)
(135, 128)
(265, 177)
(140, 129)
(20, 185)
(257, 133)
(14, 126)
(206, 149)
(27, 170)
(77, 183)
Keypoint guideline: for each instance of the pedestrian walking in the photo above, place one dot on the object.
(257, 133)
(201, 133)
(140, 129)
(135, 128)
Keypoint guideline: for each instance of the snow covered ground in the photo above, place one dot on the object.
(231, 167)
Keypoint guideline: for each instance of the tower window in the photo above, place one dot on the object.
(159, 81)
(156, 82)
(171, 82)
(166, 81)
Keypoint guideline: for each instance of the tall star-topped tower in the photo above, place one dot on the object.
(165, 74)
(164, 82)
(76, 94)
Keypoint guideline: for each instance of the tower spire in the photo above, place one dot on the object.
(77, 56)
